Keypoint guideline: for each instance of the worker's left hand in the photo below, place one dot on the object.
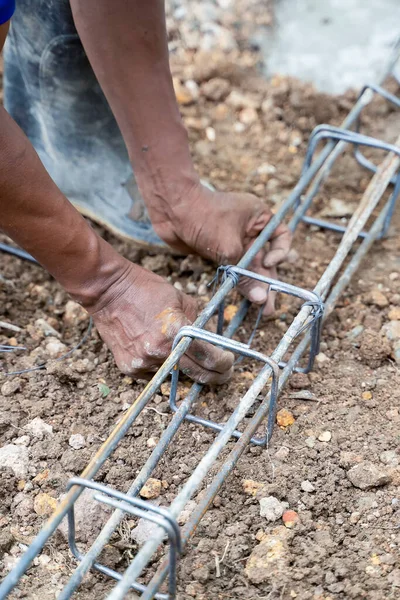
(222, 226)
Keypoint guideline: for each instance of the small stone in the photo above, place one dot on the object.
(216, 89)
(367, 395)
(290, 518)
(74, 314)
(10, 387)
(230, 311)
(310, 441)
(325, 436)
(366, 475)
(238, 100)
(23, 440)
(16, 458)
(377, 298)
(251, 487)
(151, 442)
(144, 530)
(390, 458)
(307, 486)
(354, 517)
(184, 95)
(248, 116)
(55, 348)
(268, 560)
(284, 418)
(394, 577)
(39, 428)
(392, 330)
(394, 313)
(44, 505)
(394, 276)
(77, 441)
(45, 327)
(271, 508)
(355, 332)
(151, 489)
(282, 454)
(338, 208)
(322, 358)
(187, 512)
(210, 134)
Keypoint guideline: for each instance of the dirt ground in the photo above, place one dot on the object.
(246, 134)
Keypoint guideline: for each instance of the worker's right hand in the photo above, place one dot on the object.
(138, 318)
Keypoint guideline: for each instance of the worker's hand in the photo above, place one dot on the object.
(222, 226)
(138, 318)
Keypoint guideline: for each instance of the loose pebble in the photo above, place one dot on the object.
(284, 418)
(325, 436)
(16, 458)
(251, 487)
(307, 486)
(77, 441)
(282, 454)
(290, 518)
(366, 475)
(377, 298)
(44, 505)
(271, 508)
(39, 428)
(151, 489)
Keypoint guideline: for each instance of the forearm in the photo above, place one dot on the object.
(126, 43)
(36, 215)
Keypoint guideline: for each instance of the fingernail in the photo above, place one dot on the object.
(257, 294)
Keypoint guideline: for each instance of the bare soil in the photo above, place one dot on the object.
(346, 544)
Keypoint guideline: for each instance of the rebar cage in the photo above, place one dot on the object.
(356, 240)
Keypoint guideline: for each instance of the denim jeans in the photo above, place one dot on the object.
(52, 92)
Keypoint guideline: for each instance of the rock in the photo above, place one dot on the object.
(23, 440)
(394, 577)
(310, 441)
(392, 330)
(45, 327)
(151, 489)
(239, 101)
(290, 518)
(74, 314)
(355, 332)
(90, 516)
(216, 89)
(325, 436)
(251, 487)
(230, 311)
(210, 134)
(367, 395)
(187, 512)
(307, 486)
(377, 298)
(39, 428)
(44, 505)
(248, 116)
(284, 418)
(271, 508)
(55, 348)
(11, 386)
(394, 313)
(390, 458)
(268, 560)
(374, 348)
(366, 475)
(144, 531)
(322, 358)
(77, 441)
(16, 458)
(282, 454)
(184, 95)
(338, 208)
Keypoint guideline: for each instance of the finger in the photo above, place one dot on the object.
(198, 373)
(206, 355)
(255, 291)
(279, 246)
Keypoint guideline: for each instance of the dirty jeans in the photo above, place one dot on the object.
(52, 93)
